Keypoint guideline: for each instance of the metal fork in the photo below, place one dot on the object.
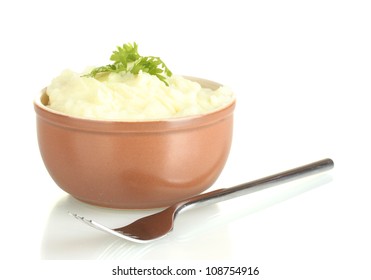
(159, 224)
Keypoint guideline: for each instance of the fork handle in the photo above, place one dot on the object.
(257, 185)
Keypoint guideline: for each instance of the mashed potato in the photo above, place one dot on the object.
(124, 96)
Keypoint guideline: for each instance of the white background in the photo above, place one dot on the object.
(301, 73)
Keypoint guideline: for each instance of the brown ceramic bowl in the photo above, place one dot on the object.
(134, 164)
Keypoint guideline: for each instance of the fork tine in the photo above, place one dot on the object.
(103, 228)
(80, 218)
(84, 220)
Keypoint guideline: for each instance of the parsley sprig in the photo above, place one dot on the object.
(127, 59)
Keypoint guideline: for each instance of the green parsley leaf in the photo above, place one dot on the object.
(127, 59)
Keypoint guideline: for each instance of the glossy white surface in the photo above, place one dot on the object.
(301, 74)
(195, 230)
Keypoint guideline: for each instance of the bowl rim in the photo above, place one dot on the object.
(133, 125)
